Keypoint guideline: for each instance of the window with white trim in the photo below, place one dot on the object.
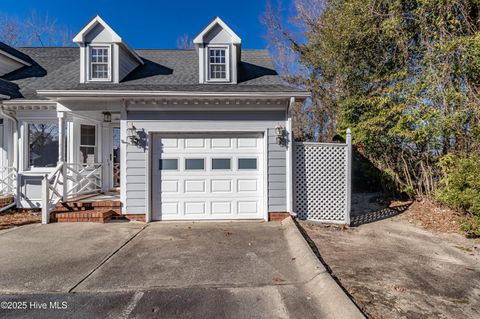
(42, 144)
(99, 63)
(217, 64)
(88, 144)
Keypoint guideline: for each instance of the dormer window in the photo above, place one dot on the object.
(100, 63)
(218, 69)
(219, 55)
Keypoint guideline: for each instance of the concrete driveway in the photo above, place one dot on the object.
(128, 270)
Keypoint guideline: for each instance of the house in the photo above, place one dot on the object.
(181, 134)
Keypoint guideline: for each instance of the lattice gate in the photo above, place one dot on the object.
(322, 182)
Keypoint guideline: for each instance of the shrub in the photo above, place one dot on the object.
(459, 187)
(471, 226)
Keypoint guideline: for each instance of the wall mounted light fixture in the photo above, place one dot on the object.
(107, 117)
(132, 135)
(280, 134)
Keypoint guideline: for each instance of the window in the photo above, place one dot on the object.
(168, 164)
(220, 163)
(42, 145)
(99, 63)
(194, 163)
(88, 144)
(217, 64)
(247, 163)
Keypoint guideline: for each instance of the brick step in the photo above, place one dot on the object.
(84, 206)
(98, 216)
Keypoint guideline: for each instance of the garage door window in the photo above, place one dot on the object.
(220, 163)
(194, 164)
(169, 164)
(247, 163)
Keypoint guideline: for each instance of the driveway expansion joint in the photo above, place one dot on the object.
(107, 258)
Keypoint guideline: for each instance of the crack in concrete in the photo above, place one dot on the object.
(107, 258)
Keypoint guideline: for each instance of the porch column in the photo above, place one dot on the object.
(61, 153)
(61, 137)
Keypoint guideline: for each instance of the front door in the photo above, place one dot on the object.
(116, 157)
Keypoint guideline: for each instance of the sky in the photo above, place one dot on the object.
(151, 24)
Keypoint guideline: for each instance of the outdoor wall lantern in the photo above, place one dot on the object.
(107, 117)
(280, 134)
(132, 135)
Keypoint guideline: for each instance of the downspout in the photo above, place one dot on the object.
(15, 145)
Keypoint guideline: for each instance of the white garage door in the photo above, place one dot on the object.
(207, 177)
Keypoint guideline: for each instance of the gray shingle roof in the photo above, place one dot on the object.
(164, 70)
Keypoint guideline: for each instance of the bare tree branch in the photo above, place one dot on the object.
(185, 42)
(34, 30)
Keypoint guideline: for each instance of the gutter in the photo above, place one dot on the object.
(128, 93)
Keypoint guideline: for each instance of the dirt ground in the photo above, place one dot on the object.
(12, 218)
(401, 263)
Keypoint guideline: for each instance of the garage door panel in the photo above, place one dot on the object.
(247, 185)
(221, 143)
(169, 143)
(247, 143)
(169, 208)
(247, 207)
(221, 186)
(195, 186)
(169, 186)
(220, 191)
(195, 143)
(221, 207)
(194, 208)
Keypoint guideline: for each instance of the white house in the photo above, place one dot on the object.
(182, 134)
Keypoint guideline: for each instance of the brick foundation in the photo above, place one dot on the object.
(277, 216)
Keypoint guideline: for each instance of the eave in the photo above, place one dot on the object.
(54, 94)
(10, 56)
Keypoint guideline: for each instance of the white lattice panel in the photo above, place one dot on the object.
(321, 182)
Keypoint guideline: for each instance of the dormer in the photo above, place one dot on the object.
(218, 50)
(11, 59)
(104, 56)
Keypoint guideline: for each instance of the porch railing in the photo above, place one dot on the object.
(8, 181)
(116, 175)
(69, 180)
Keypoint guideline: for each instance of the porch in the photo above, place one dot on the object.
(55, 160)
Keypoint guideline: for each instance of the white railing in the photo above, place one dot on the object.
(53, 187)
(69, 180)
(8, 181)
(83, 178)
(116, 175)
